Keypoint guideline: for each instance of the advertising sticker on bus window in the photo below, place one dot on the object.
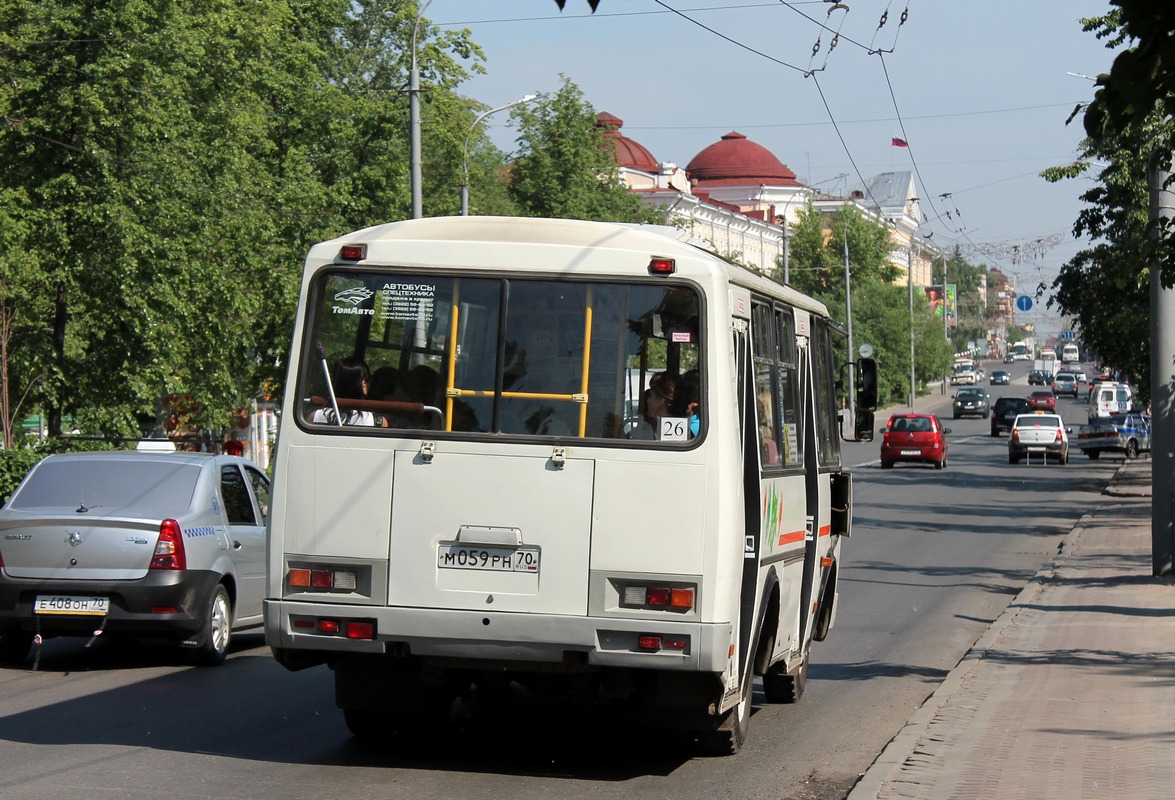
(408, 301)
(682, 336)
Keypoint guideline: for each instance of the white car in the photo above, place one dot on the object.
(1038, 434)
(149, 544)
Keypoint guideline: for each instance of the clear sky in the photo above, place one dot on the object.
(978, 88)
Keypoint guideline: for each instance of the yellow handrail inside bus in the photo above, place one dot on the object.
(587, 358)
(452, 368)
(452, 391)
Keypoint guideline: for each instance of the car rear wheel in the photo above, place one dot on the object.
(217, 631)
(1093, 454)
(886, 464)
(1132, 449)
(1013, 459)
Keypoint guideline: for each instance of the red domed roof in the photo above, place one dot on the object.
(628, 153)
(737, 159)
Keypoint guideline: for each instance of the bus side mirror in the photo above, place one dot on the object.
(867, 386)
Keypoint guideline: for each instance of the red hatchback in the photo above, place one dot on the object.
(914, 437)
(1042, 400)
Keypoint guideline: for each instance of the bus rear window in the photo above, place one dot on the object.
(394, 351)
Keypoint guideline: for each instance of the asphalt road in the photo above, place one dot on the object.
(934, 558)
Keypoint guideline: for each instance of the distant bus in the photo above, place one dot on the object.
(1070, 354)
(1048, 354)
(1019, 351)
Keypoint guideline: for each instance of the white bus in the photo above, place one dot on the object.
(1070, 353)
(513, 514)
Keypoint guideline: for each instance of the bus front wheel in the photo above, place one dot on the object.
(785, 687)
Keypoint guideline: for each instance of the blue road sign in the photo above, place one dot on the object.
(1024, 302)
(1068, 335)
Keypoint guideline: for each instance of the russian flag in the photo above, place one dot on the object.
(900, 142)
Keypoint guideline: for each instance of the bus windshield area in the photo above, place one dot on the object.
(396, 350)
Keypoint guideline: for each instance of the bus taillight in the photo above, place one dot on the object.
(328, 579)
(662, 266)
(653, 642)
(680, 598)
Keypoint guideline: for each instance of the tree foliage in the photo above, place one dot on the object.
(882, 313)
(1106, 287)
(166, 167)
(565, 167)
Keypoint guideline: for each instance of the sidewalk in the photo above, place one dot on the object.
(1071, 692)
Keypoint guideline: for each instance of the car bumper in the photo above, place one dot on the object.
(137, 607)
(923, 454)
(1029, 449)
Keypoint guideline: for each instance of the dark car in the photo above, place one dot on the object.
(1004, 411)
(999, 377)
(1040, 377)
(1009, 358)
(146, 544)
(1042, 400)
(914, 437)
(971, 401)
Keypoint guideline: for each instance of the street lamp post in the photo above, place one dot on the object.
(465, 149)
(414, 120)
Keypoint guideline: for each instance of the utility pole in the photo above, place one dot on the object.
(946, 302)
(1162, 201)
(910, 280)
(852, 354)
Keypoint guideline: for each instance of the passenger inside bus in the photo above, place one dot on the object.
(349, 381)
(659, 397)
(687, 401)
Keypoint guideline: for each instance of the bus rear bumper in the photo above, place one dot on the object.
(292, 629)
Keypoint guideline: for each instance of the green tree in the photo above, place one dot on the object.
(881, 307)
(166, 168)
(1105, 288)
(564, 167)
(1116, 265)
(816, 250)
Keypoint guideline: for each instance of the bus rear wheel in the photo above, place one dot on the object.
(731, 734)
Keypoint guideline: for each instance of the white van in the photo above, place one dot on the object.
(1108, 399)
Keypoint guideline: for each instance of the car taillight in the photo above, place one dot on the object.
(1060, 437)
(169, 550)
